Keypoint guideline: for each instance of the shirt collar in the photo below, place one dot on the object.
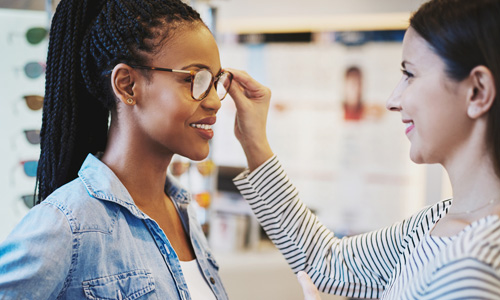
(102, 183)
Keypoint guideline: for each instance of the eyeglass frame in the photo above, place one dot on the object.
(193, 73)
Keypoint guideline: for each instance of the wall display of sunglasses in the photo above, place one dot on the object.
(33, 136)
(34, 102)
(24, 37)
(34, 69)
(34, 35)
(30, 167)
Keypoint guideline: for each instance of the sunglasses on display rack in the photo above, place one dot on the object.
(201, 81)
(34, 35)
(34, 102)
(29, 200)
(30, 167)
(34, 70)
(33, 136)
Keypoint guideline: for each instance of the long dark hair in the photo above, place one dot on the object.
(466, 34)
(88, 38)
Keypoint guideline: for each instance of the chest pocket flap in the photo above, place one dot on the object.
(125, 286)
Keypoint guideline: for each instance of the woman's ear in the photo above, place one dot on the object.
(123, 81)
(482, 92)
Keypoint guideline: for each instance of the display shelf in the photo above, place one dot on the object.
(16, 116)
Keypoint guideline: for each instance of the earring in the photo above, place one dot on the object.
(130, 101)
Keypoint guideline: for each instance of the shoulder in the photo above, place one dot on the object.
(478, 245)
(82, 211)
(427, 217)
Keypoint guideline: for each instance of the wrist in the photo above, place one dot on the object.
(257, 154)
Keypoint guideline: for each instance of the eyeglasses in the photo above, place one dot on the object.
(34, 102)
(201, 81)
(30, 167)
(34, 69)
(33, 136)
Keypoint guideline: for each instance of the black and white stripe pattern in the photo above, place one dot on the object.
(398, 262)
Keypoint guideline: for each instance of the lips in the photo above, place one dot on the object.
(409, 125)
(204, 127)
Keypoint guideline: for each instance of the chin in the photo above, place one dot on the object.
(198, 155)
(417, 158)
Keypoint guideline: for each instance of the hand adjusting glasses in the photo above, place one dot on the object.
(201, 81)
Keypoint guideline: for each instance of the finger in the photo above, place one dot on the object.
(236, 93)
(245, 80)
(308, 288)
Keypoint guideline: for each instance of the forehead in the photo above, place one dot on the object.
(189, 45)
(417, 52)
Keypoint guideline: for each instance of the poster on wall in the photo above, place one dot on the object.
(328, 124)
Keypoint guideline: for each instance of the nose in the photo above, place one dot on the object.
(212, 100)
(394, 101)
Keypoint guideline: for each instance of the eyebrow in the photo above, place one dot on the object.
(200, 66)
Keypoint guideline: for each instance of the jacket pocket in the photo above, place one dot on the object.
(124, 286)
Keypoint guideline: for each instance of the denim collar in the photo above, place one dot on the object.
(102, 183)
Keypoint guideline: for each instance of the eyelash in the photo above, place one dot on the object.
(406, 73)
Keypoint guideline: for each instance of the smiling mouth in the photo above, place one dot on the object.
(201, 126)
(409, 126)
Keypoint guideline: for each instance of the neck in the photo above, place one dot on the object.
(476, 187)
(140, 168)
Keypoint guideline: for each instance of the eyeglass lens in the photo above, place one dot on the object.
(29, 200)
(36, 34)
(223, 85)
(33, 136)
(30, 167)
(34, 102)
(202, 84)
(34, 69)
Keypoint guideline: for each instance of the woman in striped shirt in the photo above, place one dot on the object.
(447, 99)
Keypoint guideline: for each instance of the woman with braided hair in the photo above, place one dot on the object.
(110, 223)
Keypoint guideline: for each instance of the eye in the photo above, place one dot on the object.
(406, 73)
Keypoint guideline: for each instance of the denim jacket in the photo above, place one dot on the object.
(88, 240)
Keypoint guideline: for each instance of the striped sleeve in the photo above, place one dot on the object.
(358, 266)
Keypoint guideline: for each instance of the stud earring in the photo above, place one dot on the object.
(130, 101)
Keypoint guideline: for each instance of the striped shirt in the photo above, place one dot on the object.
(402, 261)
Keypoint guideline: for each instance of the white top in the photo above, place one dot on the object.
(197, 285)
(399, 262)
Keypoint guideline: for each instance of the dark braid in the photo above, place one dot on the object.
(87, 39)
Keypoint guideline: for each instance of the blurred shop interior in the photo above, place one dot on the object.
(330, 64)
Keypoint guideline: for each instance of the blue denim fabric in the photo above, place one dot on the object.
(88, 240)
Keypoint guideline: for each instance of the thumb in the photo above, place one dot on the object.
(308, 288)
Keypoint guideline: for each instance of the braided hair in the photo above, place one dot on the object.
(87, 39)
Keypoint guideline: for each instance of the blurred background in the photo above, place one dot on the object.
(330, 64)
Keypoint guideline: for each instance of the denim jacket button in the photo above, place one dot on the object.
(212, 280)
